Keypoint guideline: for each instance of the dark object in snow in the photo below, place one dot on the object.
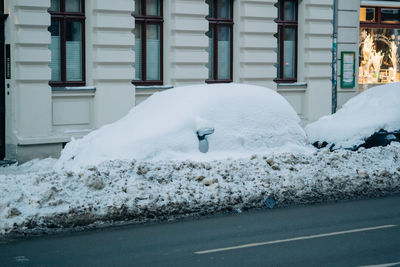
(7, 162)
(201, 135)
(323, 144)
(380, 138)
(270, 202)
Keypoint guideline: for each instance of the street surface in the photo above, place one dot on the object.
(354, 233)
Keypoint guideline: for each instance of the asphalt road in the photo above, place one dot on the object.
(355, 233)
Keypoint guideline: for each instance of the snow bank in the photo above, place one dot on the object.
(34, 197)
(124, 171)
(247, 119)
(374, 109)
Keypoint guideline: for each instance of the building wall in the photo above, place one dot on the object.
(348, 29)
(311, 95)
(110, 60)
(185, 50)
(254, 42)
(40, 119)
(28, 96)
(185, 44)
(318, 57)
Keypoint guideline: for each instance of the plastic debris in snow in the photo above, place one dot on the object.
(363, 115)
(247, 120)
(270, 202)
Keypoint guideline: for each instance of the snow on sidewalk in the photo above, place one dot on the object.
(36, 196)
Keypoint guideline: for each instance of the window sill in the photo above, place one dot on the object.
(149, 87)
(292, 87)
(83, 91)
(295, 84)
(218, 81)
(287, 80)
(67, 84)
(147, 83)
(74, 88)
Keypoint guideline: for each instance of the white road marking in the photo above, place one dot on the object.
(295, 239)
(383, 265)
(21, 259)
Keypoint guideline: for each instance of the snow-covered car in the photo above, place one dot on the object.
(234, 120)
(369, 119)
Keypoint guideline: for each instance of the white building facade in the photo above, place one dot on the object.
(72, 66)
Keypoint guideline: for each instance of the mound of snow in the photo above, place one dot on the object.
(363, 115)
(247, 120)
(35, 198)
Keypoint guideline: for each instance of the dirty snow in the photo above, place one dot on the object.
(37, 196)
(147, 166)
(372, 110)
(247, 119)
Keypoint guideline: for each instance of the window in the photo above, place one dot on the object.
(67, 45)
(287, 41)
(148, 42)
(220, 35)
(379, 45)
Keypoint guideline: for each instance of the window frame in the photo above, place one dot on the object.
(64, 17)
(378, 23)
(215, 23)
(282, 25)
(145, 20)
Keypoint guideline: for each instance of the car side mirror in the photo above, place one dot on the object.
(201, 135)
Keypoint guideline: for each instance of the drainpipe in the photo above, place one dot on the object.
(334, 58)
(3, 17)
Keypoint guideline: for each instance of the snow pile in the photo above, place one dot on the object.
(247, 120)
(372, 110)
(147, 165)
(35, 197)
